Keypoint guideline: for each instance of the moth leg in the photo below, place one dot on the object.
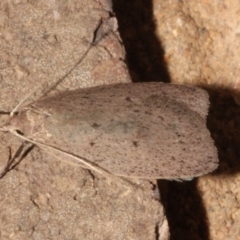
(81, 161)
(13, 161)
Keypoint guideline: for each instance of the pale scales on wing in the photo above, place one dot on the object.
(144, 130)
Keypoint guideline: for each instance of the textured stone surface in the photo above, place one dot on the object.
(201, 41)
(196, 42)
(43, 198)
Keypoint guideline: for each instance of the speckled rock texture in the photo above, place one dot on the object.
(189, 42)
(201, 44)
(200, 40)
(41, 44)
(193, 42)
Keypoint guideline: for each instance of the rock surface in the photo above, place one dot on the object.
(42, 43)
(193, 42)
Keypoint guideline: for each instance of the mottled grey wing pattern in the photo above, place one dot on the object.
(141, 130)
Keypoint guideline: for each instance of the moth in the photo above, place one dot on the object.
(135, 130)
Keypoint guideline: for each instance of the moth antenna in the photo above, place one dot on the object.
(98, 37)
(11, 114)
(85, 162)
(22, 101)
(94, 43)
(13, 161)
(54, 85)
(80, 160)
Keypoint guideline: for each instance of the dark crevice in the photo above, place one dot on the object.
(145, 60)
(144, 53)
(157, 231)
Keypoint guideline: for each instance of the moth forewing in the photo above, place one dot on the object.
(141, 130)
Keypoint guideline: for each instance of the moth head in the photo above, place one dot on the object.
(13, 123)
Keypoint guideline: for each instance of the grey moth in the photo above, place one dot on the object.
(136, 130)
